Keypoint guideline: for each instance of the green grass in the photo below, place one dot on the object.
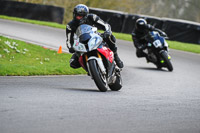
(50, 24)
(18, 58)
(195, 48)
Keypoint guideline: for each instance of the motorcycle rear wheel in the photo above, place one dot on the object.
(99, 79)
(167, 61)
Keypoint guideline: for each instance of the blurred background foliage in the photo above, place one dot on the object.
(179, 9)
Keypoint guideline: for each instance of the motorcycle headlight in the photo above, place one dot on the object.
(79, 47)
(94, 42)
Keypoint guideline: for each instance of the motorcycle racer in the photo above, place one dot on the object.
(140, 36)
(81, 16)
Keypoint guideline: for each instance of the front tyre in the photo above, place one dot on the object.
(168, 63)
(99, 79)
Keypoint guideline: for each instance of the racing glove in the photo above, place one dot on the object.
(163, 34)
(106, 34)
(71, 50)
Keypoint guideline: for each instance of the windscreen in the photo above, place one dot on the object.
(82, 29)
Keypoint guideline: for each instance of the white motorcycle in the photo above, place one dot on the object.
(97, 58)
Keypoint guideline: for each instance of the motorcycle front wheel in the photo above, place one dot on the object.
(99, 79)
(168, 63)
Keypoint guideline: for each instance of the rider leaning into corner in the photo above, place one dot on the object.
(81, 16)
(140, 36)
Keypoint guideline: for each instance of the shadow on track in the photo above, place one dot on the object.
(150, 68)
(81, 89)
(84, 90)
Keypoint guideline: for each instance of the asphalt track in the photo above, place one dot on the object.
(151, 100)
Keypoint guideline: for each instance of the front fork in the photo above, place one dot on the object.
(86, 56)
(110, 75)
(161, 60)
(99, 62)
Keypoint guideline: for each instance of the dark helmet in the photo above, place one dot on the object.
(140, 23)
(80, 11)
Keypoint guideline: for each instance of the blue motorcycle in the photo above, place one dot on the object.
(157, 51)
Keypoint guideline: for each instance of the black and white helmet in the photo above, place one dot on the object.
(140, 23)
(80, 11)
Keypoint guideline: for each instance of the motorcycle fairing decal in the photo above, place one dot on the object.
(107, 53)
(76, 43)
(157, 43)
(81, 61)
(156, 36)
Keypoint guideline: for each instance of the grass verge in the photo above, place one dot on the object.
(51, 24)
(18, 58)
(195, 48)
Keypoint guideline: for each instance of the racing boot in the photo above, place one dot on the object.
(140, 53)
(74, 63)
(118, 61)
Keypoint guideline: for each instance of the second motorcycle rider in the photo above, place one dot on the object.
(139, 36)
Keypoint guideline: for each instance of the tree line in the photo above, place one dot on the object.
(179, 9)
